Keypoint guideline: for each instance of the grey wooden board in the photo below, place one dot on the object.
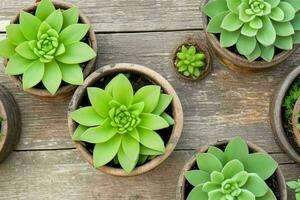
(124, 15)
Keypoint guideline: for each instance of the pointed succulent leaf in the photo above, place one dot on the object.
(73, 33)
(285, 43)
(243, 15)
(256, 185)
(295, 22)
(126, 163)
(295, 4)
(241, 178)
(137, 108)
(217, 177)
(44, 9)
(214, 25)
(246, 45)
(268, 196)
(70, 16)
(87, 116)
(163, 102)
(99, 99)
(237, 148)
(288, 9)
(228, 39)
(17, 65)
(60, 50)
(214, 7)
(247, 30)
(25, 51)
(135, 135)
(267, 34)
(52, 77)
(197, 193)
(78, 132)
(71, 73)
(297, 37)
(78, 52)
(233, 5)
(7, 49)
(142, 160)
(131, 147)
(246, 195)
(265, 169)
(14, 34)
(105, 152)
(122, 90)
(150, 95)
(267, 53)
(151, 140)
(210, 187)
(231, 22)
(216, 194)
(277, 14)
(33, 74)
(30, 32)
(149, 152)
(152, 121)
(218, 153)
(55, 20)
(208, 162)
(256, 23)
(231, 168)
(197, 177)
(168, 118)
(283, 28)
(273, 3)
(255, 54)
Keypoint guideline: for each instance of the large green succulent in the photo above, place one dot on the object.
(122, 123)
(47, 47)
(295, 185)
(255, 27)
(231, 175)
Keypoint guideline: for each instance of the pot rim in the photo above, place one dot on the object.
(153, 77)
(180, 190)
(200, 47)
(276, 115)
(295, 121)
(64, 91)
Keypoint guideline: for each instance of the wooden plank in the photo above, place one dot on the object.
(222, 106)
(125, 15)
(63, 174)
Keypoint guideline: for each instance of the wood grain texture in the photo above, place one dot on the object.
(125, 15)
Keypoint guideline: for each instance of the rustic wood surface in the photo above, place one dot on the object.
(225, 104)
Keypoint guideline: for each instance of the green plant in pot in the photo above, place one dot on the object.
(47, 47)
(257, 29)
(232, 174)
(295, 185)
(122, 123)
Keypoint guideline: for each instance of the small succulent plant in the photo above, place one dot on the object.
(122, 123)
(190, 61)
(233, 174)
(47, 47)
(290, 99)
(295, 185)
(255, 27)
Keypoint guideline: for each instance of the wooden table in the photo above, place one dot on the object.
(45, 164)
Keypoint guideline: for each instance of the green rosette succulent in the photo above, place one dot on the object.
(47, 47)
(122, 123)
(190, 62)
(233, 174)
(295, 185)
(255, 27)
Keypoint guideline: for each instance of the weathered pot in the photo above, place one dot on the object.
(238, 62)
(66, 90)
(11, 124)
(295, 122)
(181, 192)
(276, 115)
(200, 48)
(154, 78)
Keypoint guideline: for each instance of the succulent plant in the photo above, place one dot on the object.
(295, 185)
(47, 47)
(190, 61)
(233, 174)
(290, 99)
(255, 27)
(122, 123)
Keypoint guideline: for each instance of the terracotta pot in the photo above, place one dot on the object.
(200, 48)
(181, 192)
(11, 124)
(66, 90)
(276, 115)
(238, 62)
(154, 78)
(295, 122)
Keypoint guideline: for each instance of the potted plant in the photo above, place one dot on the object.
(249, 35)
(10, 123)
(231, 170)
(50, 48)
(192, 60)
(295, 185)
(125, 120)
(281, 113)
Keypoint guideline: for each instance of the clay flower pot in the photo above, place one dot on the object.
(201, 47)
(65, 90)
(98, 79)
(11, 123)
(276, 182)
(237, 62)
(284, 138)
(295, 122)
